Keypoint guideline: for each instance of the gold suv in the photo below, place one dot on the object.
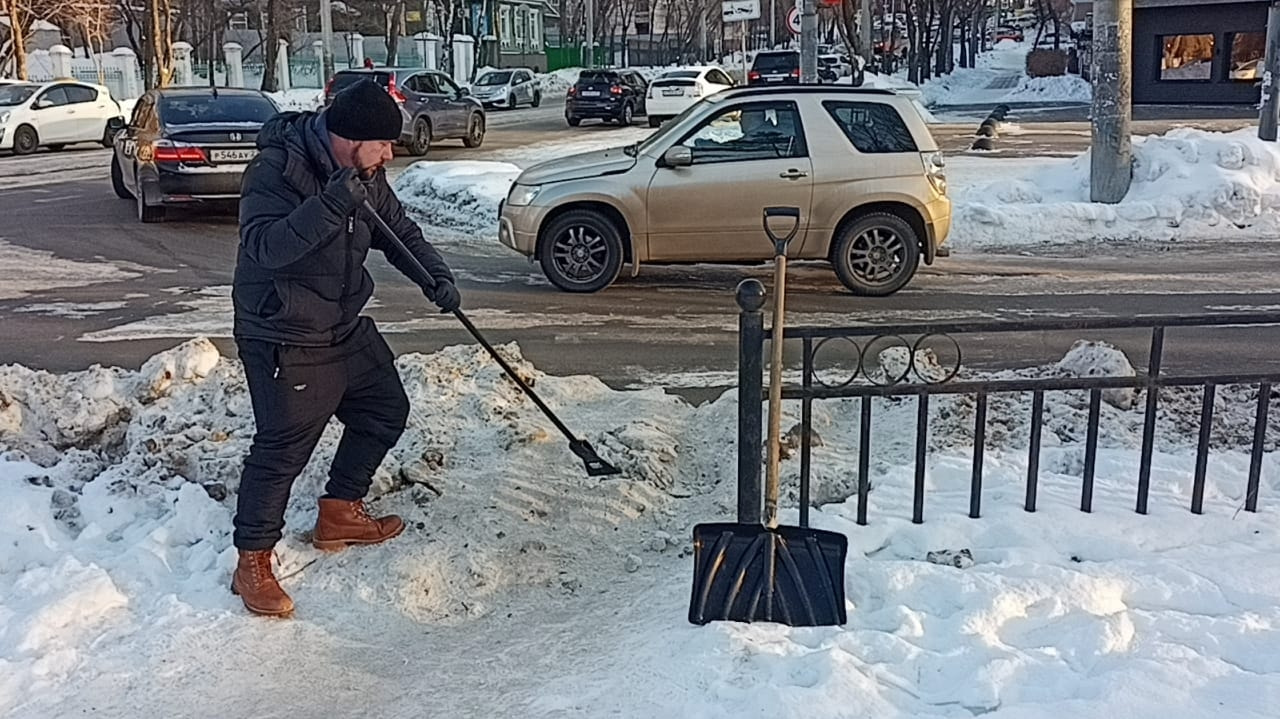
(859, 163)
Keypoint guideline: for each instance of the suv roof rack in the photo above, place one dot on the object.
(808, 90)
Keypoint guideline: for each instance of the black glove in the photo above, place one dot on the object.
(445, 294)
(345, 191)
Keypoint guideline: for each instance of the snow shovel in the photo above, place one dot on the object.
(596, 467)
(770, 573)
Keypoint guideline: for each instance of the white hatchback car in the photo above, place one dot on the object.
(54, 114)
(674, 91)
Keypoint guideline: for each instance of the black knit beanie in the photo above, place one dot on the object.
(364, 111)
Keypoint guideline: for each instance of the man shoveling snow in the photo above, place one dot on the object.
(308, 354)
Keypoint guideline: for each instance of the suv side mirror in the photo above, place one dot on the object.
(677, 156)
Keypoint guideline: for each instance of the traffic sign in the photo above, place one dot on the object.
(793, 20)
(739, 10)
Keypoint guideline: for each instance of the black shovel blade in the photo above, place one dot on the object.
(749, 573)
(596, 467)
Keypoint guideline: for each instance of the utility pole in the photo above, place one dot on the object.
(326, 34)
(1111, 158)
(591, 34)
(1270, 108)
(808, 42)
(773, 24)
(864, 32)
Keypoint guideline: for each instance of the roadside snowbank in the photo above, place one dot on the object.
(1187, 185)
(1001, 77)
(569, 594)
(298, 100)
(459, 196)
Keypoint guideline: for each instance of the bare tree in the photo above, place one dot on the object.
(15, 45)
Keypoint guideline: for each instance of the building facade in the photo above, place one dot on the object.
(1198, 51)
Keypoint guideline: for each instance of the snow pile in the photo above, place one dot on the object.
(1001, 77)
(1187, 184)
(298, 100)
(117, 488)
(1064, 88)
(461, 196)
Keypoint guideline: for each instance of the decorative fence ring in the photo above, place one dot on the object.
(915, 348)
(906, 369)
(857, 370)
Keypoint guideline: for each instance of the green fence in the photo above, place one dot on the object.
(562, 57)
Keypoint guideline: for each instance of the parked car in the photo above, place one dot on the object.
(674, 91)
(609, 95)
(432, 105)
(1007, 32)
(187, 144)
(834, 66)
(56, 114)
(507, 88)
(859, 163)
(775, 67)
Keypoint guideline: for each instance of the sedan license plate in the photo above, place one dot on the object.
(672, 92)
(232, 155)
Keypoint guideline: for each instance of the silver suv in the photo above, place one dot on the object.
(859, 163)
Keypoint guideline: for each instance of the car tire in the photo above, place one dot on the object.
(25, 140)
(117, 181)
(148, 214)
(537, 99)
(581, 251)
(420, 142)
(876, 255)
(628, 116)
(574, 121)
(475, 131)
(655, 121)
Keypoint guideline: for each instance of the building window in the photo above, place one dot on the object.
(520, 21)
(1187, 57)
(504, 12)
(238, 21)
(1247, 52)
(535, 30)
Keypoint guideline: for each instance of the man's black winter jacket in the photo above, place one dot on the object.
(300, 276)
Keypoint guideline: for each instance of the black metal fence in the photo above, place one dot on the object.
(914, 337)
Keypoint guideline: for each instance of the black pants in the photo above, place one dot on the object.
(295, 390)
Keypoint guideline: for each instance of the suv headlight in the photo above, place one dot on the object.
(523, 195)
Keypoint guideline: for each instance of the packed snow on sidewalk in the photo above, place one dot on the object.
(1187, 185)
(523, 588)
(1001, 77)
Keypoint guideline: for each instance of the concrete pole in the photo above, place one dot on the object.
(591, 34)
(864, 32)
(1111, 158)
(1270, 110)
(326, 36)
(809, 42)
(773, 24)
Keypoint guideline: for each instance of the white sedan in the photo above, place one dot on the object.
(674, 91)
(54, 114)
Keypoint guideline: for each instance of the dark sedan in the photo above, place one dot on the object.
(187, 144)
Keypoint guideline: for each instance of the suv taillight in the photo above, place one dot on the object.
(795, 72)
(394, 92)
(615, 90)
(753, 75)
(934, 166)
(573, 90)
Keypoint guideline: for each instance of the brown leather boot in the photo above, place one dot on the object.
(341, 523)
(256, 585)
